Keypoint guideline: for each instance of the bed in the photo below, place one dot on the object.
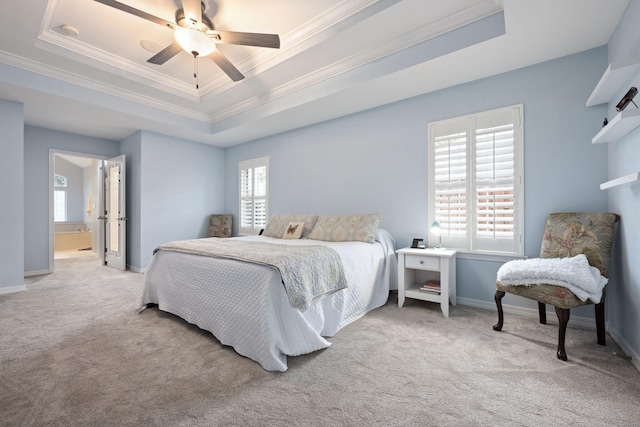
(246, 305)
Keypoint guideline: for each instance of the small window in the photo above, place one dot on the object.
(476, 188)
(59, 198)
(254, 195)
(59, 181)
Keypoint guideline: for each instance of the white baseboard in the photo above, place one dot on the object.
(584, 322)
(35, 273)
(624, 345)
(136, 269)
(12, 289)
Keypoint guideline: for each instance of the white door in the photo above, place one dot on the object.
(115, 220)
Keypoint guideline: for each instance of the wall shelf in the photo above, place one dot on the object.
(622, 124)
(610, 83)
(615, 76)
(627, 179)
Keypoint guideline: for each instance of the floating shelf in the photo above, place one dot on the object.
(627, 179)
(622, 124)
(610, 83)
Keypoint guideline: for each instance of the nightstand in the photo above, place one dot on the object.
(417, 266)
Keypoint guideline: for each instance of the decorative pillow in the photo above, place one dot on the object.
(294, 230)
(344, 228)
(279, 223)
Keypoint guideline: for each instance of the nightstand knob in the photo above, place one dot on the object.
(421, 261)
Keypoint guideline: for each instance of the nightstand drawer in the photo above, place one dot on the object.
(422, 262)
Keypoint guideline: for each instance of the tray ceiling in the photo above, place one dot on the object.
(80, 66)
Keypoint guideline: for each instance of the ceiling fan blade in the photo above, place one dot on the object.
(247, 39)
(192, 10)
(226, 66)
(136, 12)
(165, 54)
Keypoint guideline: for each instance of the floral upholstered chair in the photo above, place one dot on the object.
(220, 225)
(567, 235)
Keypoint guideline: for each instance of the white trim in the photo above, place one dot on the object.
(52, 154)
(36, 273)
(310, 34)
(344, 15)
(252, 164)
(488, 256)
(583, 322)
(101, 87)
(467, 125)
(12, 289)
(429, 31)
(136, 269)
(626, 348)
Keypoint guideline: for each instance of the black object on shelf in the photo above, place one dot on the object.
(627, 98)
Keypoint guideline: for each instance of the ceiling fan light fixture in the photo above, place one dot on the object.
(193, 41)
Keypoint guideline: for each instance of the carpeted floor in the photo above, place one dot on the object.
(74, 352)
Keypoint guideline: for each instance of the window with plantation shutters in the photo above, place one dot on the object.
(254, 200)
(475, 181)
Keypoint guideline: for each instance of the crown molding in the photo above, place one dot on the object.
(425, 33)
(94, 85)
(90, 55)
(311, 33)
(321, 28)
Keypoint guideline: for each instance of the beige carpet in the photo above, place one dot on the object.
(74, 352)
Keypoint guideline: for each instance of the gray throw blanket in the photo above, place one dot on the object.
(308, 272)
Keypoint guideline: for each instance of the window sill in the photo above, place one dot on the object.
(488, 256)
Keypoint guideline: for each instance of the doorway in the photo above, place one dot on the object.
(87, 209)
(75, 179)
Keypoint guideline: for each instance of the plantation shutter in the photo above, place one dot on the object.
(475, 181)
(254, 184)
(450, 153)
(495, 181)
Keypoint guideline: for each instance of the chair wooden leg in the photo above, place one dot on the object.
(542, 310)
(498, 297)
(600, 324)
(563, 319)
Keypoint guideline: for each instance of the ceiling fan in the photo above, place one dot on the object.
(194, 33)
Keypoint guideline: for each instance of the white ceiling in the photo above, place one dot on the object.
(81, 162)
(337, 57)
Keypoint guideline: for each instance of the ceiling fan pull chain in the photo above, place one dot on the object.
(195, 69)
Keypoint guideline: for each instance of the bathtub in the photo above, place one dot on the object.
(71, 237)
(72, 240)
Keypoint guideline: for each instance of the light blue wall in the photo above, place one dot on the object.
(181, 184)
(12, 173)
(376, 160)
(173, 185)
(37, 142)
(623, 295)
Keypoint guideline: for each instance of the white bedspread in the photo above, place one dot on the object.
(245, 306)
(308, 272)
(573, 273)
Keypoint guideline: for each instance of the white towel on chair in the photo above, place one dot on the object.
(573, 273)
